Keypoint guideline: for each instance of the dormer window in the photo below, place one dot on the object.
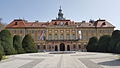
(103, 23)
(66, 23)
(55, 23)
(16, 23)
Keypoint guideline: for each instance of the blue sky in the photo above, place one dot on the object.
(46, 10)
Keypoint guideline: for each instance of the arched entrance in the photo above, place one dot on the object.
(62, 47)
(68, 47)
(56, 48)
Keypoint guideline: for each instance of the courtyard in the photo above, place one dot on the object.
(74, 60)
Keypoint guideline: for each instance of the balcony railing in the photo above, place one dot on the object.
(63, 40)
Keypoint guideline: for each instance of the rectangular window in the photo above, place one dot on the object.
(56, 36)
(38, 37)
(50, 31)
(73, 36)
(84, 37)
(21, 31)
(50, 37)
(80, 34)
(56, 31)
(61, 37)
(38, 31)
(68, 36)
(33, 37)
(32, 31)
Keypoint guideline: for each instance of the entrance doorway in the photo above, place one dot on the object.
(62, 47)
(56, 48)
(68, 47)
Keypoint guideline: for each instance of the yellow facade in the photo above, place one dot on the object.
(61, 34)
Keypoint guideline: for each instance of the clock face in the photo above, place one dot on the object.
(61, 23)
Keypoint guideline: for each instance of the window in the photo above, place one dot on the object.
(61, 37)
(80, 34)
(44, 47)
(20, 31)
(56, 31)
(38, 37)
(16, 23)
(38, 31)
(38, 47)
(73, 36)
(49, 46)
(79, 46)
(61, 31)
(33, 37)
(14, 31)
(67, 31)
(56, 36)
(32, 31)
(74, 46)
(50, 30)
(73, 31)
(68, 36)
(50, 37)
(84, 37)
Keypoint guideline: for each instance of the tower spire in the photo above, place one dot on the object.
(60, 6)
(60, 15)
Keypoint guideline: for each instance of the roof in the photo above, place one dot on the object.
(22, 24)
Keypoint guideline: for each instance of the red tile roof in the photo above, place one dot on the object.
(23, 23)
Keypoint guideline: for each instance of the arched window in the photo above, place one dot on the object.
(74, 46)
(79, 46)
(38, 47)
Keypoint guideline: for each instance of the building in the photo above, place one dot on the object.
(2, 26)
(61, 34)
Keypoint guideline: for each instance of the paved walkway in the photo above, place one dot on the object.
(76, 60)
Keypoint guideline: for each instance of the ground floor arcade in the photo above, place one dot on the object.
(61, 46)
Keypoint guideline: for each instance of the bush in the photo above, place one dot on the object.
(17, 44)
(28, 44)
(115, 38)
(103, 43)
(92, 44)
(118, 48)
(7, 42)
(0, 56)
(1, 49)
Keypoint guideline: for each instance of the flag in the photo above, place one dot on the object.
(42, 37)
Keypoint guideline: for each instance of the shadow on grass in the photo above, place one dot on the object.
(111, 63)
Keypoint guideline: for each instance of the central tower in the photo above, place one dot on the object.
(60, 15)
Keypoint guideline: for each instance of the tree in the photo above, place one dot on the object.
(0, 56)
(28, 44)
(1, 49)
(92, 44)
(103, 43)
(17, 44)
(7, 42)
(115, 38)
(118, 48)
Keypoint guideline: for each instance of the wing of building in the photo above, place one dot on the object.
(61, 34)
